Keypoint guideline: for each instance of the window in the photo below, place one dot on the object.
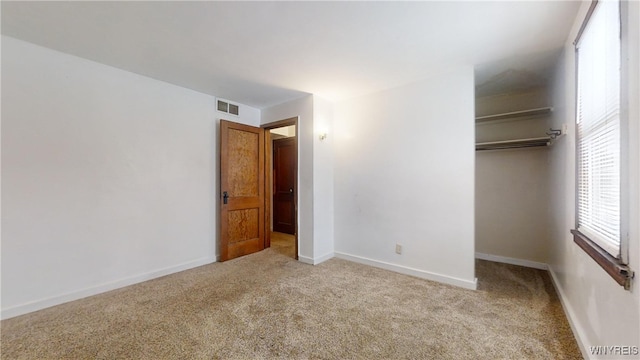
(598, 125)
(600, 148)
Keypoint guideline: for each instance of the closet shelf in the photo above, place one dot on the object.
(514, 144)
(515, 114)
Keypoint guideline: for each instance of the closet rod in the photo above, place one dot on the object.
(513, 144)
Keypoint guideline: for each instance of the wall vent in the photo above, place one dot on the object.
(229, 108)
(233, 109)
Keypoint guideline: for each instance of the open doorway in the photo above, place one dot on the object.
(281, 183)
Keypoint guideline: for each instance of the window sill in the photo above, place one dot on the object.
(614, 267)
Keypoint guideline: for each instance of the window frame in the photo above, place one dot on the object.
(615, 266)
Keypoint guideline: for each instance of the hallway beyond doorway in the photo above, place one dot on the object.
(283, 244)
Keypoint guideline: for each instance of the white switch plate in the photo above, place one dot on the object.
(398, 249)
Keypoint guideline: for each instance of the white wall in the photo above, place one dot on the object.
(404, 173)
(323, 201)
(109, 178)
(303, 109)
(600, 311)
(512, 205)
(512, 186)
(315, 174)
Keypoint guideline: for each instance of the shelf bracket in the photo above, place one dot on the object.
(553, 133)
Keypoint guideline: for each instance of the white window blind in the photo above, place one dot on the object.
(598, 125)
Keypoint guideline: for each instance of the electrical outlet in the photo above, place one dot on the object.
(565, 128)
(398, 249)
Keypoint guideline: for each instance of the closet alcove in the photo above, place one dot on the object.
(513, 136)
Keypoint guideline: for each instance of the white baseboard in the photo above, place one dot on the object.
(305, 259)
(578, 333)
(467, 284)
(315, 261)
(98, 289)
(512, 261)
(323, 258)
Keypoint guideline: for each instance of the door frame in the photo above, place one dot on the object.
(268, 184)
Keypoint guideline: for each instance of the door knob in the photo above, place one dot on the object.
(291, 191)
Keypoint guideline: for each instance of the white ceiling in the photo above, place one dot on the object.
(265, 53)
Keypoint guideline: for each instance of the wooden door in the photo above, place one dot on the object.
(284, 179)
(241, 190)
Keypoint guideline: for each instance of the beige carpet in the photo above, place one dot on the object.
(267, 305)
